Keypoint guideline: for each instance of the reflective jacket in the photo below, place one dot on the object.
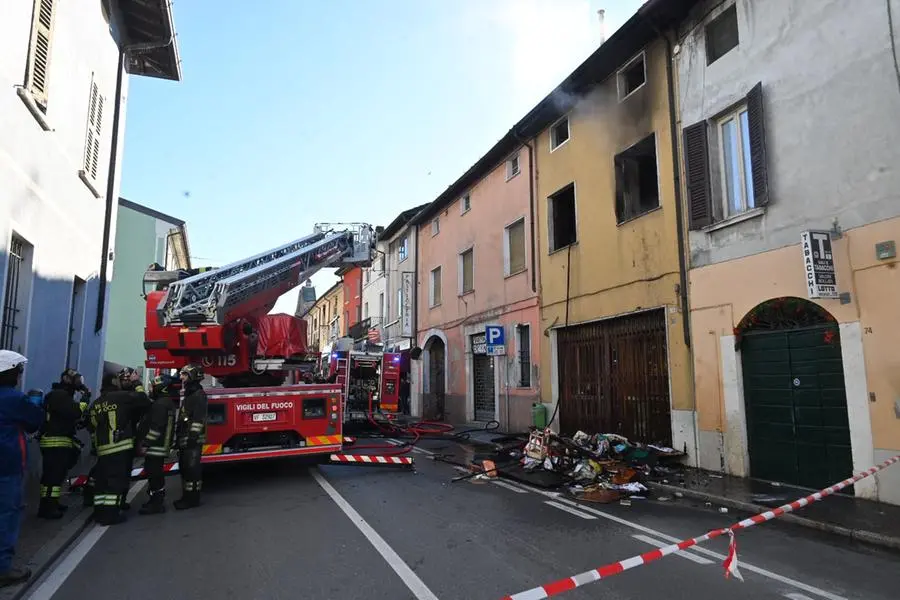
(114, 420)
(160, 426)
(63, 415)
(192, 420)
(18, 416)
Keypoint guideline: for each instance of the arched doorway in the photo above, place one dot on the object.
(433, 404)
(798, 429)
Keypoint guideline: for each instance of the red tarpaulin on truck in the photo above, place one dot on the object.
(281, 335)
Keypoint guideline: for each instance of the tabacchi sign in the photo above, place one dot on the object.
(818, 264)
(406, 293)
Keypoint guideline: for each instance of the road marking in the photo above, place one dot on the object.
(507, 486)
(412, 581)
(683, 554)
(570, 510)
(795, 596)
(413, 448)
(58, 575)
(674, 540)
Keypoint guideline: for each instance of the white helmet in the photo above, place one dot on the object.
(11, 360)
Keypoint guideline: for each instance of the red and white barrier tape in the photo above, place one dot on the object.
(731, 562)
(371, 459)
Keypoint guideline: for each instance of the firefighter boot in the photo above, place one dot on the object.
(109, 515)
(156, 503)
(89, 493)
(49, 509)
(14, 576)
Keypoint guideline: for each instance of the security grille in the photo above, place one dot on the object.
(483, 372)
(11, 310)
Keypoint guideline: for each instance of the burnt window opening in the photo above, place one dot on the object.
(721, 35)
(563, 229)
(637, 185)
(632, 76)
(559, 133)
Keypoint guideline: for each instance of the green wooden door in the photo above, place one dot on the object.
(796, 405)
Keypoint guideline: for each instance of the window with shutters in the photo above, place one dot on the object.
(17, 294)
(562, 218)
(733, 185)
(637, 184)
(39, 52)
(514, 246)
(93, 136)
(467, 271)
(434, 296)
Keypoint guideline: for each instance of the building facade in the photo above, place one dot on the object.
(374, 294)
(61, 133)
(614, 349)
(143, 236)
(352, 281)
(477, 269)
(792, 172)
(324, 320)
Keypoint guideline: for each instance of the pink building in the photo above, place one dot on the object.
(476, 268)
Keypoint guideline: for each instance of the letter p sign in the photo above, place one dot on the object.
(494, 340)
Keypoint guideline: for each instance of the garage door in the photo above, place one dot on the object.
(796, 404)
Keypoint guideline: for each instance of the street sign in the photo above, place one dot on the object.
(495, 340)
(818, 262)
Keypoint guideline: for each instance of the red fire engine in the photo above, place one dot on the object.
(370, 381)
(218, 318)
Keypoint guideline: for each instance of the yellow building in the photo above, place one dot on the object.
(613, 355)
(323, 319)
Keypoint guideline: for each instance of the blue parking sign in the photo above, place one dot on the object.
(495, 340)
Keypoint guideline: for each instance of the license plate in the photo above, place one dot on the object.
(259, 417)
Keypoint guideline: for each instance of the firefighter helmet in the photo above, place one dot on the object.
(192, 372)
(12, 361)
(127, 377)
(72, 378)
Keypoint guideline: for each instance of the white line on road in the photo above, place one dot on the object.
(795, 596)
(683, 554)
(570, 510)
(415, 449)
(674, 540)
(55, 579)
(507, 486)
(412, 581)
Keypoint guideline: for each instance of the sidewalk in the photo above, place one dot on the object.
(862, 520)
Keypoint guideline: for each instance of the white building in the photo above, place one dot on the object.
(63, 89)
(374, 290)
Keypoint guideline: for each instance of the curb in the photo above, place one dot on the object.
(49, 553)
(861, 535)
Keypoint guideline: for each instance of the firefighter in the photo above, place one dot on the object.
(158, 440)
(109, 383)
(114, 419)
(60, 448)
(191, 435)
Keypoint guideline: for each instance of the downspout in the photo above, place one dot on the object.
(124, 52)
(530, 207)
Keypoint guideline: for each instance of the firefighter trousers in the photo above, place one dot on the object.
(191, 473)
(112, 478)
(56, 464)
(153, 466)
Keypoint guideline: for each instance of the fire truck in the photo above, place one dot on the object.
(369, 380)
(219, 319)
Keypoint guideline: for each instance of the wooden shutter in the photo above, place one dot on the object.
(696, 168)
(756, 123)
(38, 65)
(436, 287)
(516, 249)
(94, 129)
(468, 283)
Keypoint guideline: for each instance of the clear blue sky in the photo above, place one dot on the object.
(330, 110)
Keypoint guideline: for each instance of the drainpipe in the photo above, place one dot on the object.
(530, 207)
(124, 52)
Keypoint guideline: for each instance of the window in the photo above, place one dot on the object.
(467, 272)
(17, 295)
(562, 218)
(637, 187)
(734, 162)
(721, 34)
(514, 247)
(523, 345)
(365, 310)
(435, 226)
(39, 52)
(381, 305)
(76, 323)
(559, 133)
(512, 167)
(434, 298)
(465, 204)
(403, 250)
(632, 76)
(740, 166)
(368, 276)
(93, 137)
(399, 303)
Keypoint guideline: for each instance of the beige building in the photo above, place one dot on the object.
(323, 320)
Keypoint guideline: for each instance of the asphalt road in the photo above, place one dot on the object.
(283, 530)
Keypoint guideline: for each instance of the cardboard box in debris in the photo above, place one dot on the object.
(597, 468)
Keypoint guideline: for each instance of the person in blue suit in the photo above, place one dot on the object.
(19, 414)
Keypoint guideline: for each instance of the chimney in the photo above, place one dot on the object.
(601, 15)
